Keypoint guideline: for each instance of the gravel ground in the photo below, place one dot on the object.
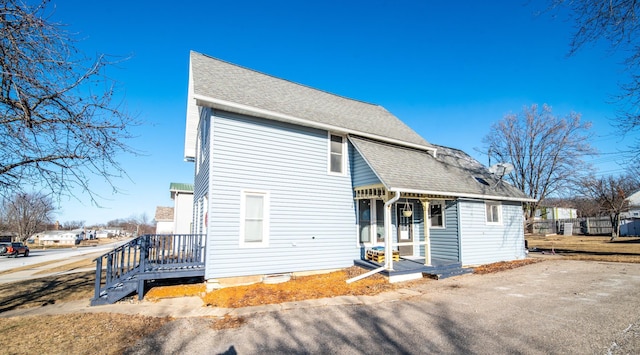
(551, 307)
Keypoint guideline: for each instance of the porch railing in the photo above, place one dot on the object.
(155, 254)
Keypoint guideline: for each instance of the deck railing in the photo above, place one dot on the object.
(151, 253)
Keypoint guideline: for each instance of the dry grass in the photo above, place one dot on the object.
(47, 290)
(591, 248)
(503, 265)
(297, 289)
(87, 333)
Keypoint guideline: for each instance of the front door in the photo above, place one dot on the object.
(405, 232)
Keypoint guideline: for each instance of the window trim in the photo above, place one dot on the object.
(265, 218)
(343, 161)
(443, 205)
(487, 206)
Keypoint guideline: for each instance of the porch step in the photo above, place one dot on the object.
(117, 292)
(449, 272)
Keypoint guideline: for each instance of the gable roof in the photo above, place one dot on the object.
(228, 87)
(451, 173)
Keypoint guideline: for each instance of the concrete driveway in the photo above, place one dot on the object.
(551, 307)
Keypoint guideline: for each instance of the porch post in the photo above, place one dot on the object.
(388, 252)
(427, 232)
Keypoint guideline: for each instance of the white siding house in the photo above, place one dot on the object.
(182, 196)
(293, 179)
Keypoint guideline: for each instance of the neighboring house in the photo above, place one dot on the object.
(555, 213)
(630, 219)
(293, 179)
(109, 233)
(58, 237)
(164, 220)
(182, 196)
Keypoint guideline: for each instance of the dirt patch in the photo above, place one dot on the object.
(87, 333)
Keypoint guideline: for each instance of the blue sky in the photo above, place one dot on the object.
(449, 69)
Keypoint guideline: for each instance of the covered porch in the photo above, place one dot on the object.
(397, 226)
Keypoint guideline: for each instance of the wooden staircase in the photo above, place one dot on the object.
(125, 270)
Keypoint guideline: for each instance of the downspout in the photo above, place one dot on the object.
(388, 253)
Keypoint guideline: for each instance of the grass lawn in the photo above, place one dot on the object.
(597, 248)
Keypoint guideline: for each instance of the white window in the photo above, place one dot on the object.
(337, 156)
(494, 212)
(254, 219)
(436, 213)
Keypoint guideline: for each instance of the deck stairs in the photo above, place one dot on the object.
(126, 269)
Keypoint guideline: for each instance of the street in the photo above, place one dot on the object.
(37, 256)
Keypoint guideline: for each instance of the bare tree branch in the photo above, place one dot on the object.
(59, 124)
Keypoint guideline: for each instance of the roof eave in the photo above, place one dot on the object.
(464, 195)
(202, 100)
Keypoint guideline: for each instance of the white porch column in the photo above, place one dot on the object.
(388, 252)
(427, 232)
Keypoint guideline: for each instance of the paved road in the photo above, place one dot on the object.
(554, 307)
(37, 256)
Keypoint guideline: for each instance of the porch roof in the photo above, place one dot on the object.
(451, 173)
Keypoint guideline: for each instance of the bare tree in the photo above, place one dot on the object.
(28, 213)
(611, 193)
(59, 123)
(545, 150)
(69, 225)
(618, 23)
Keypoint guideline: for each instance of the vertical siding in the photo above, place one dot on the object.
(445, 243)
(482, 243)
(361, 172)
(312, 218)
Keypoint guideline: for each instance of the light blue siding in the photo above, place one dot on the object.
(201, 166)
(445, 244)
(482, 243)
(312, 218)
(361, 172)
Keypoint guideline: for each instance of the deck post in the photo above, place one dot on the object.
(98, 277)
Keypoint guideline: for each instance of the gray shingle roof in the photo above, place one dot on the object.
(452, 173)
(219, 80)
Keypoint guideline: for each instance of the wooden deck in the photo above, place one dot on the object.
(125, 269)
(408, 269)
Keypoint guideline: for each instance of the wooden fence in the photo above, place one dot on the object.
(578, 226)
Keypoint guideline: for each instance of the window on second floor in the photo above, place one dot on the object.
(337, 155)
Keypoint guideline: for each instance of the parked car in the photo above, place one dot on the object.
(14, 249)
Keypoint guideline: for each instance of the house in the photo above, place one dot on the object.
(58, 237)
(555, 213)
(630, 219)
(176, 219)
(164, 220)
(289, 178)
(182, 196)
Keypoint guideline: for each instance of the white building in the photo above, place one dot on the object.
(182, 196)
